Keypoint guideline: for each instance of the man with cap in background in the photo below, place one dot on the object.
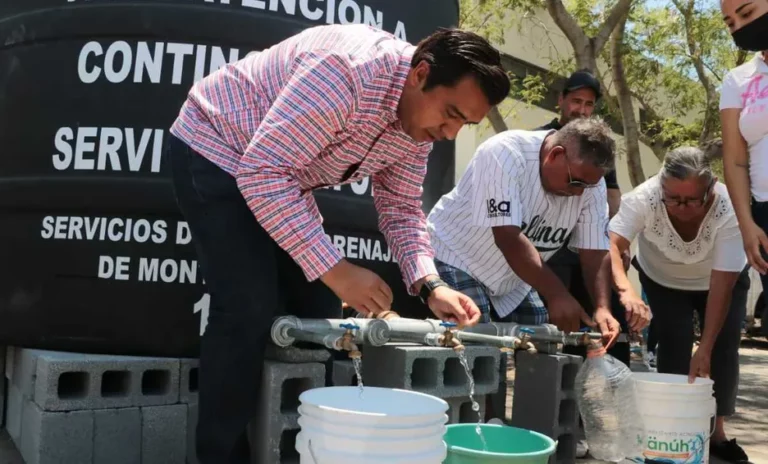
(578, 100)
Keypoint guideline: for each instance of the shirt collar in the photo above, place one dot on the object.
(755, 65)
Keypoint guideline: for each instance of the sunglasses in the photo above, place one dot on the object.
(575, 183)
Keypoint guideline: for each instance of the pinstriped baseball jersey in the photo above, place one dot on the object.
(502, 187)
(315, 110)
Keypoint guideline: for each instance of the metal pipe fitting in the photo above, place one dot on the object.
(492, 340)
(330, 341)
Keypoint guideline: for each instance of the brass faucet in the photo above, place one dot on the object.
(348, 340)
(448, 339)
(525, 340)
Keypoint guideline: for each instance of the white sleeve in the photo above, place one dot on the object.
(730, 96)
(630, 220)
(495, 180)
(591, 231)
(729, 249)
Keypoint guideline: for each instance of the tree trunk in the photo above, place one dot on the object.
(624, 96)
(497, 120)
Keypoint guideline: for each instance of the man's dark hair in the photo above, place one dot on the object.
(452, 54)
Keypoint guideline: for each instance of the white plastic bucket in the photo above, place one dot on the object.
(312, 453)
(671, 384)
(384, 425)
(677, 418)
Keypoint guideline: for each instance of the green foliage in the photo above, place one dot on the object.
(664, 43)
(663, 46)
(491, 18)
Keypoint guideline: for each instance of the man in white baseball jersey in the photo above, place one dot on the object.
(521, 196)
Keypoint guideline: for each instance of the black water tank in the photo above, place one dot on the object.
(94, 255)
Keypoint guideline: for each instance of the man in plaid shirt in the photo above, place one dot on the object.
(328, 106)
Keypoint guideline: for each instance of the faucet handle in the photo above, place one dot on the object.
(349, 326)
(447, 324)
(527, 330)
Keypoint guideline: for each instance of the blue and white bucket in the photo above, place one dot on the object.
(677, 417)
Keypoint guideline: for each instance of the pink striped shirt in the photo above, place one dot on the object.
(295, 117)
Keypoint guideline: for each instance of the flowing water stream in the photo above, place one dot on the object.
(475, 405)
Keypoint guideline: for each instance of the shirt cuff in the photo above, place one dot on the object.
(417, 267)
(317, 258)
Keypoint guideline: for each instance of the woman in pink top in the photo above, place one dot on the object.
(744, 116)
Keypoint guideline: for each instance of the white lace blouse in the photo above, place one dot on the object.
(665, 257)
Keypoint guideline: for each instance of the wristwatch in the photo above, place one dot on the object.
(428, 287)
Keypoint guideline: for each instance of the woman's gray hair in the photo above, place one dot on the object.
(687, 162)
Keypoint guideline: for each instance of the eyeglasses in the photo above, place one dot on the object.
(575, 183)
(692, 202)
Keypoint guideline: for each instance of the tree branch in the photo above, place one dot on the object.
(614, 18)
(568, 24)
(497, 120)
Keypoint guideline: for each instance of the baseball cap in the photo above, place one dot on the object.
(581, 79)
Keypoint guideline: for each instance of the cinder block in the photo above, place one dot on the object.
(545, 399)
(433, 370)
(15, 413)
(56, 437)
(188, 380)
(273, 436)
(59, 381)
(25, 370)
(192, 413)
(460, 410)
(344, 374)
(293, 354)
(117, 436)
(2, 386)
(164, 434)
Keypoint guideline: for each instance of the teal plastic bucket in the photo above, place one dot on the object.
(505, 444)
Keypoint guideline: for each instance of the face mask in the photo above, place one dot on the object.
(753, 36)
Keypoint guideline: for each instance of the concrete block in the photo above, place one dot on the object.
(188, 380)
(344, 374)
(293, 354)
(192, 413)
(433, 370)
(56, 437)
(2, 387)
(545, 399)
(117, 436)
(460, 410)
(273, 435)
(60, 381)
(164, 434)
(25, 370)
(14, 413)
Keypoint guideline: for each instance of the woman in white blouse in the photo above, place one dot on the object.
(690, 258)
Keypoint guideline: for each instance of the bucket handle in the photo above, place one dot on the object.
(312, 451)
(705, 442)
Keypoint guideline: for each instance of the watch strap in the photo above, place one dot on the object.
(428, 287)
